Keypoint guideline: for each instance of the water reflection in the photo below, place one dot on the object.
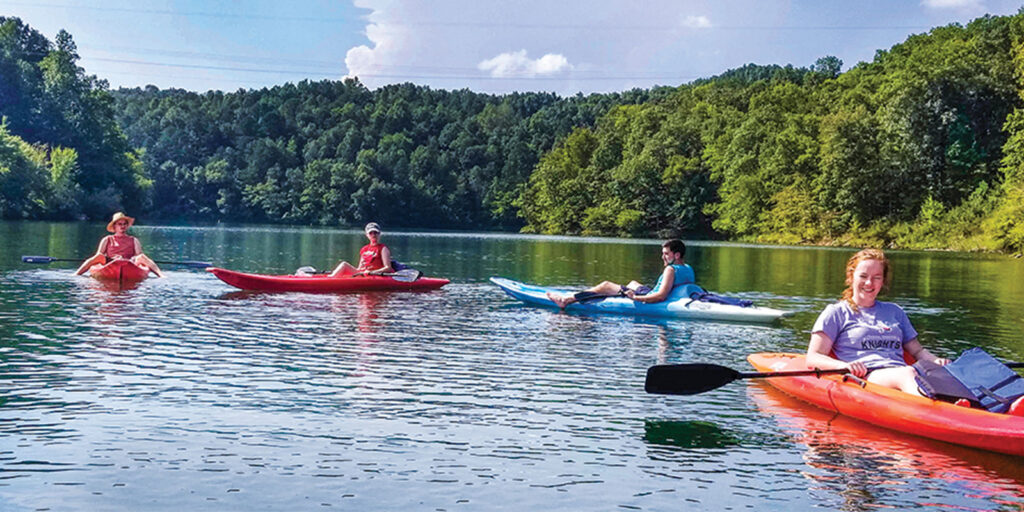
(690, 434)
(869, 467)
(368, 323)
(185, 394)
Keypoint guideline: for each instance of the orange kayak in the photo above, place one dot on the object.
(123, 271)
(895, 409)
(322, 283)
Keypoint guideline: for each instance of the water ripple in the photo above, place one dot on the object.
(457, 397)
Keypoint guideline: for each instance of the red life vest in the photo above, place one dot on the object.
(371, 256)
(123, 246)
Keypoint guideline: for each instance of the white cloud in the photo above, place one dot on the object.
(388, 40)
(611, 45)
(697, 22)
(518, 65)
(951, 4)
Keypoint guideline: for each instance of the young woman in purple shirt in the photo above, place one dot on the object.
(867, 336)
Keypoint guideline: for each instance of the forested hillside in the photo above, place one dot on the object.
(914, 149)
(922, 148)
(336, 153)
(62, 154)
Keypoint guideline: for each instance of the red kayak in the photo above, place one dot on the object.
(323, 283)
(894, 409)
(122, 271)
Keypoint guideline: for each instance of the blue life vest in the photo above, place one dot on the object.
(684, 275)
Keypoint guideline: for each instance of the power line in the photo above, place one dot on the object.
(318, 19)
(482, 25)
(572, 75)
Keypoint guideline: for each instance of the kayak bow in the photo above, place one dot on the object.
(122, 271)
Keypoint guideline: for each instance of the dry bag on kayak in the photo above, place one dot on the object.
(976, 376)
(695, 292)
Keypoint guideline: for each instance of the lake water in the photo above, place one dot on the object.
(184, 394)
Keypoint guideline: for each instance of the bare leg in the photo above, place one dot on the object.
(343, 269)
(97, 259)
(901, 378)
(607, 288)
(142, 259)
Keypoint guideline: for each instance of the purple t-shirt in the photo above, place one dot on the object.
(874, 336)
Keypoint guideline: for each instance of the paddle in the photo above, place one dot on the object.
(694, 378)
(49, 259)
(406, 275)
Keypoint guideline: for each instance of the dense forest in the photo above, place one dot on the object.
(921, 148)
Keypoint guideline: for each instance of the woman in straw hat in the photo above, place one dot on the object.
(120, 245)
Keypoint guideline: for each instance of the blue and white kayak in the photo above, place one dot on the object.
(676, 306)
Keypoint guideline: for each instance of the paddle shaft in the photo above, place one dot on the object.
(799, 373)
(50, 259)
(805, 373)
(405, 275)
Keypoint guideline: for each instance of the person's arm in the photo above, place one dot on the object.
(915, 349)
(102, 249)
(661, 292)
(817, 356)
(385, 257)
(94, 259)
(138, 246)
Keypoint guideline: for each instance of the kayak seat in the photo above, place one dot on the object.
(694, 292)
(975, 376)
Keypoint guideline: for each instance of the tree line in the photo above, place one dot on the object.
(923, 147)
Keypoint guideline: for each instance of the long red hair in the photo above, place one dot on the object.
(851, 265)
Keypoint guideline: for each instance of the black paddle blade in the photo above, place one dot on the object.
(687, 379)
(585, 297)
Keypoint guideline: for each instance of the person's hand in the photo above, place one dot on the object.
(631, 294)
(942, 361)
(117, 257)
(857, 368)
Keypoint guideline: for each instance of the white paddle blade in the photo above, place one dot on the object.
(406, 275)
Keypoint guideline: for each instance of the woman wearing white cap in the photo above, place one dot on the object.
(374, 257)
(118, 246)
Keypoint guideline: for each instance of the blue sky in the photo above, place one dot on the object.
(564, 46)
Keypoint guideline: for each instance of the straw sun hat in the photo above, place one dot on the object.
(119, 216)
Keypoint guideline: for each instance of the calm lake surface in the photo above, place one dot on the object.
(185, 394)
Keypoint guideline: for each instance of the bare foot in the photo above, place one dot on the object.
(560, 300)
